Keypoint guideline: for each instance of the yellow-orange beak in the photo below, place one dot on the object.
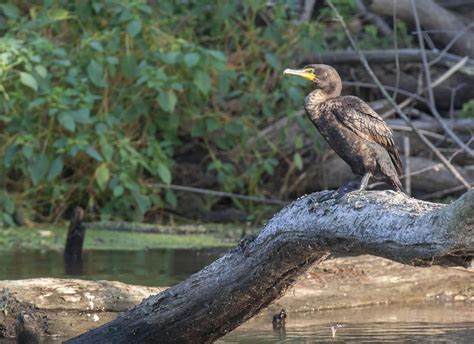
(304, 73)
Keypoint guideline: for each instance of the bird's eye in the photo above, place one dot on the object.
(309, 70)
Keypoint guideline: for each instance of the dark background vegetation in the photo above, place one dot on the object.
(105, 103)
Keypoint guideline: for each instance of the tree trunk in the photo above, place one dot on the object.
(237, 286)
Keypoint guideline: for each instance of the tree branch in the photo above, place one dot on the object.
(248, 278)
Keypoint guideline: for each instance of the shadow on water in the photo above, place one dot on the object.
(160, 267)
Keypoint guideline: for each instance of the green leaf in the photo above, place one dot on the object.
(164, 173)
(102, 176)
(55, 169)
(41, 70)
(96, 46)
(170, 58)
(118, 191)
(212, 124)
(299, 142)
(11, 11)
(28, 80)
(67, 121)
(167, 101)
(272, 60)
(170, 197)
(128, 66)
(298, 161)
(58, 14)
(95, 71)
(191, 59)
(134, 27)
(143, 202)
(81, 116)
(218, 55)
(202, 81)
(92, 152)
(38, 168)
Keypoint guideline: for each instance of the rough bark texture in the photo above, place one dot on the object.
(237, 286)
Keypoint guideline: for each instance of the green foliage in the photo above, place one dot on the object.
(97, 97)
(468, 109)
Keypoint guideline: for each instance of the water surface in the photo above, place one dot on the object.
(428, 323)
(156, 267)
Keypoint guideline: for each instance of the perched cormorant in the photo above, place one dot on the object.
(355, 131)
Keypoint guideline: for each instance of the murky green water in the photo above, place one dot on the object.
(157, 267)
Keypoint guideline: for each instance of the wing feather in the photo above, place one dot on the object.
(359, 117)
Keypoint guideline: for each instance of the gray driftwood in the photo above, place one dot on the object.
(237, 286)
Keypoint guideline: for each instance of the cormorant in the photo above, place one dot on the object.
(279, 320)
(355, 131)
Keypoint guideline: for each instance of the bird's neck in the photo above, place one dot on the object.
(319, 96)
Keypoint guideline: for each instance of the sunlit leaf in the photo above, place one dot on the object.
(202, 81)
(298, 161)
(67, 121)
(28, 80)
(96, 45)
(191, 59)
(164, 173)
(118, 190)
(93, 153)
(95, 71)
(102, 176)
(167, 101)
(41, 70)
(134, 27)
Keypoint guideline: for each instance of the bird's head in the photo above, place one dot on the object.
(324, 77)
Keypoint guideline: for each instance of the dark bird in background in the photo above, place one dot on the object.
(279, 320)
(355, 131)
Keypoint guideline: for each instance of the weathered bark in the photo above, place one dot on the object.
(237, 286)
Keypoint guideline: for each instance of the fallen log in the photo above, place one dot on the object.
(240, 284)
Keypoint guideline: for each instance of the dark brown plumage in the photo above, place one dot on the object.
(355, 131)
